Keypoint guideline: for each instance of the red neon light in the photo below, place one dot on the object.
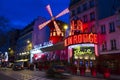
(96, 50)
(81, 38)
(79, 26)
(76, 25)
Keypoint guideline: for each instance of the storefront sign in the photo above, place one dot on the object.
(81, 38)
(77, 25)
(45, 44)
(80, 52)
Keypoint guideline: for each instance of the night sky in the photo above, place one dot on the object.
(22, 12)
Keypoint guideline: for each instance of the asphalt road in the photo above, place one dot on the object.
(4, 77)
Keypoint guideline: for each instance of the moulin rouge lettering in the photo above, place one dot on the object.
(81, 38)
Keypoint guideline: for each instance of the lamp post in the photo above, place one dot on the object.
(65, 27)
(29, 47)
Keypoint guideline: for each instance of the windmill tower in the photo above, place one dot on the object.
(55, 25)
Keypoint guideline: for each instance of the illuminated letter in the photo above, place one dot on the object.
(79, 38)
(91, 38)
(79, 26)
(72, 25)
(95, 38)
(85, 38)
(75, 40)
(70, 40)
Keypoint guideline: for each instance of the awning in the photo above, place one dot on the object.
(22, 60)
(58, 46)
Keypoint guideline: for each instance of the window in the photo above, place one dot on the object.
(78, 10)
(92, 3)
(73, 12)
(84, 6)
(54, 33)
(92, 16)
(103, 29)
(92, 29)
(104, 46)
(85, 18)
(113, 44)
(111, 27)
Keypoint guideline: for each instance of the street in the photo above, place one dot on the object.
(9, 74)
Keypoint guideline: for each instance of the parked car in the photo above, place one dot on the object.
(57, 71)
(18, 66)
(10, 65)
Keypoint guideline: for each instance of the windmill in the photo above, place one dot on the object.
(53, 19)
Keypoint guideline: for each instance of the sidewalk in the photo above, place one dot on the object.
(100, 76)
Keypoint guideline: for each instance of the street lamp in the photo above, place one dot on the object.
(28, 41)
(65, 27)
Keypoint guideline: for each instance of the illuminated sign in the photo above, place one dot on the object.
(81, 38)
(80, 51)
(83, 50)
(77, 25)
(45, 44)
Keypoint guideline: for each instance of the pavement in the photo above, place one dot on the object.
(101, 76)
(34, 75)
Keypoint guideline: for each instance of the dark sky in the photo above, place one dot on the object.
(22, 12)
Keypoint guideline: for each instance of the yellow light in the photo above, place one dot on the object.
(65, 27)
(9, 48)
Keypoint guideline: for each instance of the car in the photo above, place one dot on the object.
(18, 66)
(57, 71)
(9, 65)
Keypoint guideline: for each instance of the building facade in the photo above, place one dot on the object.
(24, 44)
(46, 42)
(100, 17)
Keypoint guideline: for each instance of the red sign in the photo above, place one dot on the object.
(81, 38)
(77, 25)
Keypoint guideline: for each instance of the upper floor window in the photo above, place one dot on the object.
(113, 44)
(92, 28)
(84, 6)
(92, 16)
(104, 46)
(78, 10)
(111, 27)
(85, 19)
(92, 3)
(103, 29)
(73, 12)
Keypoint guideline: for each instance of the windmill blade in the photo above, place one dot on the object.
(49, 10)
(44, 24)
(63, 12)
(57, 28)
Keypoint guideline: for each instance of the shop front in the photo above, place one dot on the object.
(109, 61)
(56, 53)
(83, 55)
(82, 47)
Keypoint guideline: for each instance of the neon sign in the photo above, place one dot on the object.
(81, 52)
(45, 44)
(77, 25)
(81, 38)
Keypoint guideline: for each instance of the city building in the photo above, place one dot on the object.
(99, 16)
(8, 43)
(24, 44)
(46, 43)
(110, 48)
(13, 37)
